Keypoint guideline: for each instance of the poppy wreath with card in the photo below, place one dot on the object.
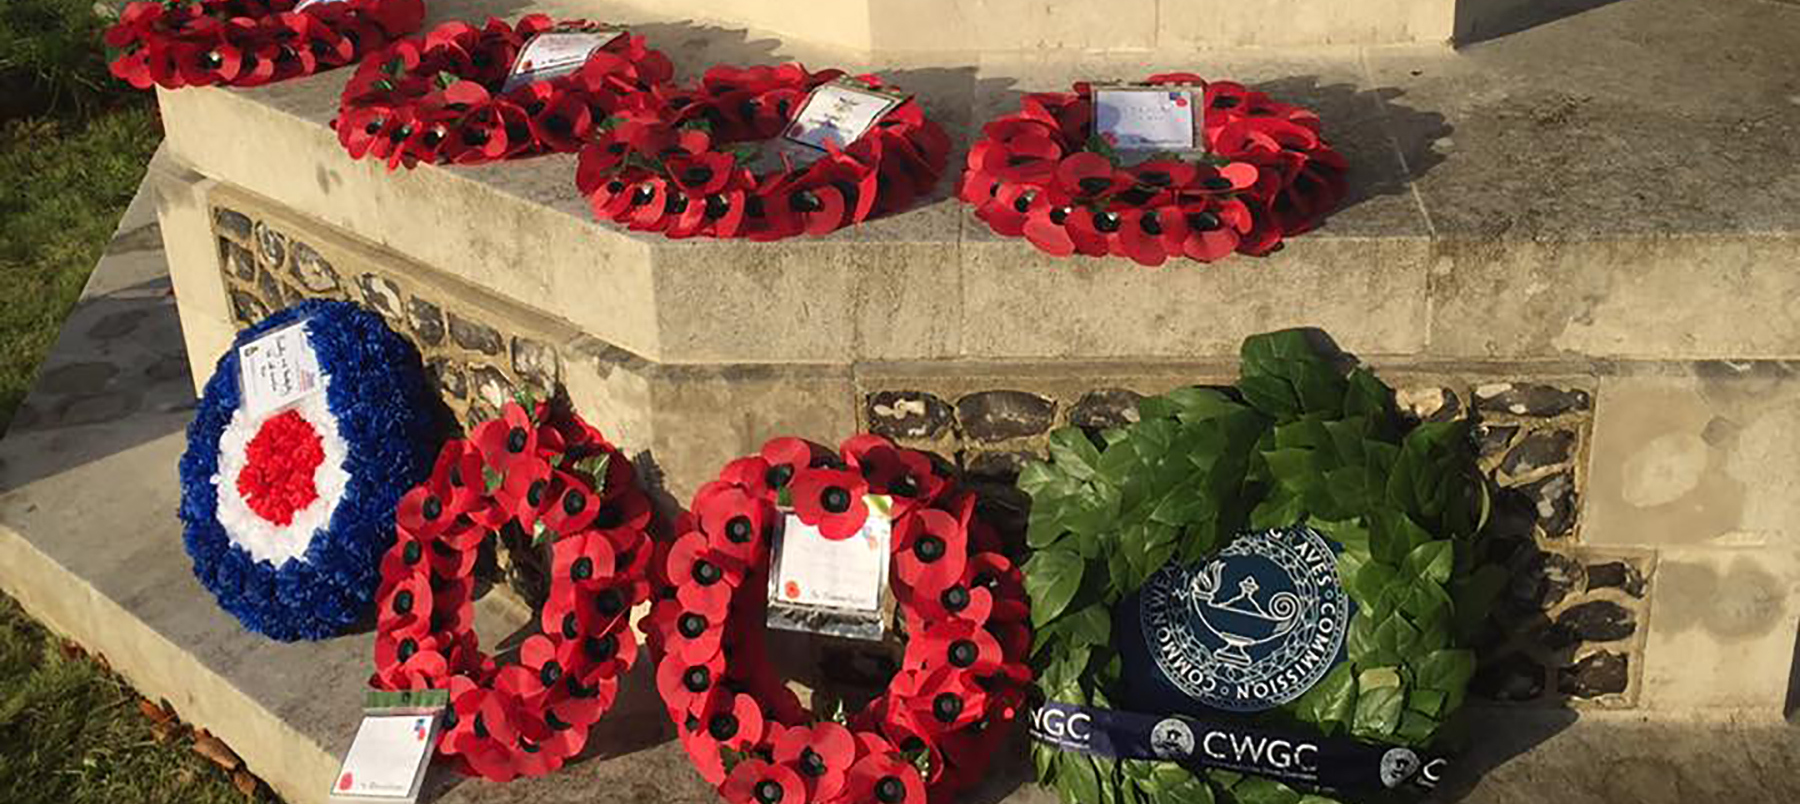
(545, 473)
(442, 97)
(189, 43)
(1044, 174)
(679, 160)
(1369, 660)
(286, 513)
(963, 613)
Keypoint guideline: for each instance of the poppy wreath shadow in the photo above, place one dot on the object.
(1481, 20)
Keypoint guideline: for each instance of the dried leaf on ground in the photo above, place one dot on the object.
(215, 749)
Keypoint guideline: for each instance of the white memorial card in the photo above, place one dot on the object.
(554, 54)
(838, 113)
(387, 759)
(847, 574)
(1147, 118)
(277, 370)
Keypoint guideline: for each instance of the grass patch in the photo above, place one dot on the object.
(73, 145)
(71, 732)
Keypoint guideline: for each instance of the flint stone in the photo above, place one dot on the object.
(1000, 415)
(907, 414)
(1429, 404)
(1539, 450)
(1529, 400)
(314, 272)
(241, 262)
(271, 246)
(381, 295)
(1106, 408)
(1547, 579)
(1493, 439)
(534, 361)
(491, 386)
(232, 222)
(247, 307)
(447, 377)
(1554, 499)
(473, 335)
(1604, 673)
(1000, 466)
(1594, 621)
(1616, 575)
(427, 321)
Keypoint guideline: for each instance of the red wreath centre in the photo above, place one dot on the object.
(279, 463)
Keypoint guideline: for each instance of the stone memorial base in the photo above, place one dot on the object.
(1599, 272)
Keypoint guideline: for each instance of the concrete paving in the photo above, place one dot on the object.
(89, 543)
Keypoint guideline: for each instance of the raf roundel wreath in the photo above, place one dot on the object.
(963, 677)
(674, 160)
(547, 473)
(1043, 174)
(286, 515)
(184, 43)
(442, 97)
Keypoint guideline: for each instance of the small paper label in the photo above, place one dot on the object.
(838, 113)
(277, 370)
(387, 760)
(1146, 119)
(406, 699)
(847, 574)
(554, 54)
(301, 6)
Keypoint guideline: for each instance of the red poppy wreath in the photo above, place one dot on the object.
(963, 675)
(678, 160)
(444, 98)
(546, 473)
(1042, 174)
(184, 43)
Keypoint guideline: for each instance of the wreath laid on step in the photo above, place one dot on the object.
(193, 43)
(286, 513)
(1295, 443)
(545, 473)
(963, 676)
(443, 98)
(1043, 173)
(681, 161)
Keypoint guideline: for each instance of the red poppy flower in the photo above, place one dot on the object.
(408, 662)
(905, 474)
(452, 605)
(525, 494)
(755, 781)
(887, 778)
(958, 644)
(585, 560)
(508, 440)
(831, 500)
(1085, 174)
(822, 753)
(734, 521)
(992, 572)
(574, 505)
(940, 700)
(702, 750)
(405, 610)
(563, 122)
(930, 551)
(604, 656)
(684, 684)
(733, 720)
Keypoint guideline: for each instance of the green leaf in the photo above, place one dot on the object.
(1080, 782)
(383, 85)
(1426, 702)
(1194, 404)
(1377, 712)
(1332, 701)
(1372, 583)
(542, 533)
(394, 67)
(1092, 625)
(1393, 536)
(1273, 396)
(595, 467)
(1445, 670)
(1432, 561)
(1396, 637)
(1099, 145)
(1051, 578)
(1260, 790)
(1415, 727)
(491, 479)
(1074, 453)
(1038, 475)
(445, 79)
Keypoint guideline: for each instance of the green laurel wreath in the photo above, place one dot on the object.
(1295, 441)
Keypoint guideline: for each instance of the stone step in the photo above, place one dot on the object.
(106, 422)
(1535, 197)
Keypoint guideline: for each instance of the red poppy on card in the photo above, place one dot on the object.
(832, 501)
(508, 440)
(929, 551)
(887, 778)
(821, 753)
(754, 781)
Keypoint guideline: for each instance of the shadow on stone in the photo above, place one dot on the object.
(1481, 20)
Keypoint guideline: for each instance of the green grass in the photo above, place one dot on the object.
(71, 732)
(73, 145)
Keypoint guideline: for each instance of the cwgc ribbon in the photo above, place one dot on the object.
(1253, 628)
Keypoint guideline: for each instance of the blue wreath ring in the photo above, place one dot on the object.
(287, 513)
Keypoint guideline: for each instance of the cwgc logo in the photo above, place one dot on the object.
(1172, 739)
(1254, 628)
(1398, 765)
